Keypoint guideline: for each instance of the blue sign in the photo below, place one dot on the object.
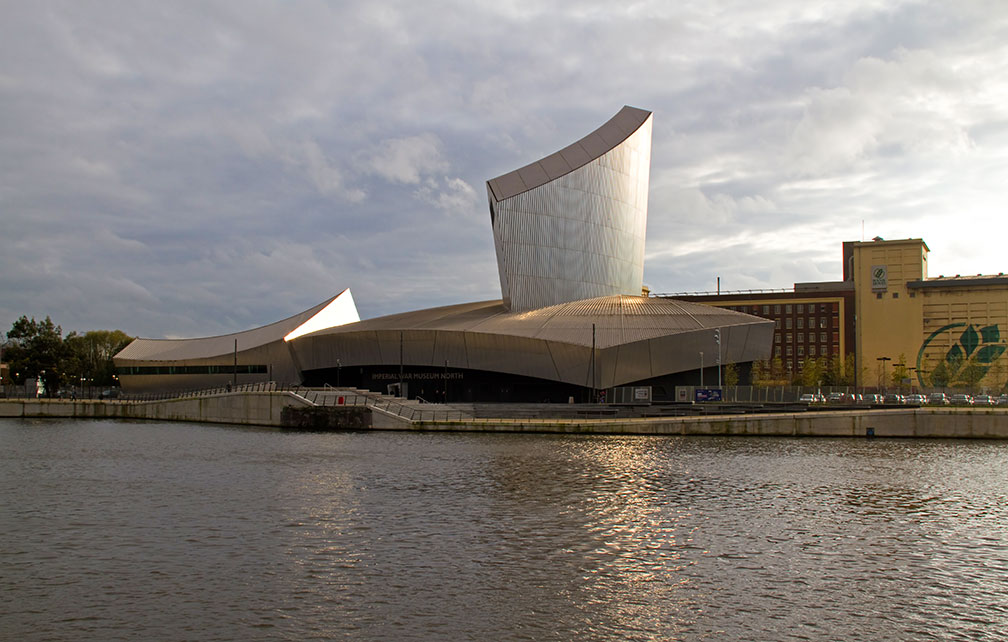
(707, 394)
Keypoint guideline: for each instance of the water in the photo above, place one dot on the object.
(117, 530)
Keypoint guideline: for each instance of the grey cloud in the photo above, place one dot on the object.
(199, 168)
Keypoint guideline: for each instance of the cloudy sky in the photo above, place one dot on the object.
(176, 169)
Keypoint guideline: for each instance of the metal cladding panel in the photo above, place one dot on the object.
(580, 235)
(635, 338)
(575, 155)
(179, 383)
(143, 350)
(573, 363)
(451, 347)
(627, 363)
(555, 165)
(415, 346)
(515, 355)
(274, 355)
(323, 351)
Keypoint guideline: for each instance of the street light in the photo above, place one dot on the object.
(883, 360)
(717, 340)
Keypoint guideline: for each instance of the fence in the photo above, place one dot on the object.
(327, 396)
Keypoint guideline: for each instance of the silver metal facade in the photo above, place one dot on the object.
(263, 346)
(565, 231)
(635, 338)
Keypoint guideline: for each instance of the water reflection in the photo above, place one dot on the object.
(183, 531)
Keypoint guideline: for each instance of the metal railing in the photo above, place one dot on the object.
(419, 410)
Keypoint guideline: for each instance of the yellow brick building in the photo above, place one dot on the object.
(948, 332)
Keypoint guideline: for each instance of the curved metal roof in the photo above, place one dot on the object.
(602, 140)
(635, 338)
(618, 319)
(208, 347)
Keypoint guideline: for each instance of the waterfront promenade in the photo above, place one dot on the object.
(267, 408)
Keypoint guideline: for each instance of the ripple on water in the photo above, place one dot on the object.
(180, 531)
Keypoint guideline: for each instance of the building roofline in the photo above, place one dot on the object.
(958, 281)
(578, 154)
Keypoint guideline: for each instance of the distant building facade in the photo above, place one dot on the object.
(892, 317)
(948, 331)
(812, 321)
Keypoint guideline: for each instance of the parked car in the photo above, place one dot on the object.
(836, 397)
(894, 399)
(961, 399)
(812, 398)
(873, 398)
(1002, 400)
(916, 398)
(938, 399)
(983, 400)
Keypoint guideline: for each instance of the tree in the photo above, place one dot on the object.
(811, 374)
(36, 350)
(731, 375)
(940, 375)
(900, 372)
(90, 354)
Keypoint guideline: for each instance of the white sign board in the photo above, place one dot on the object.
(879, 277)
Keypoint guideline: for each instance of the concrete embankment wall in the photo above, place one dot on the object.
(251, 408)
(265, 408)
(955, 423)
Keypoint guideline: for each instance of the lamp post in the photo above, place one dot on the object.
(912, 371)
(701, 369)
(717, 340)
(883, 360)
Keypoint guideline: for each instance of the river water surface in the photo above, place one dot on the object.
(174, 531)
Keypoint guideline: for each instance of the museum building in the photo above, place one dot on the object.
(569, 233)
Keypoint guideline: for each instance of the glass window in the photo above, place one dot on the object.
(776, 351)
(801, 322)
(787, 323)
(789, 350)
(788, 338)
(766, 309)
(822, 337)
(822, 307)
(801, 308)
(776, 309)
(777, 323)
(787, 308)
(801, 337)
(823, 322)
(776, 337)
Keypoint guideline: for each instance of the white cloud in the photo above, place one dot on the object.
(170, 171)
(407, 160)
